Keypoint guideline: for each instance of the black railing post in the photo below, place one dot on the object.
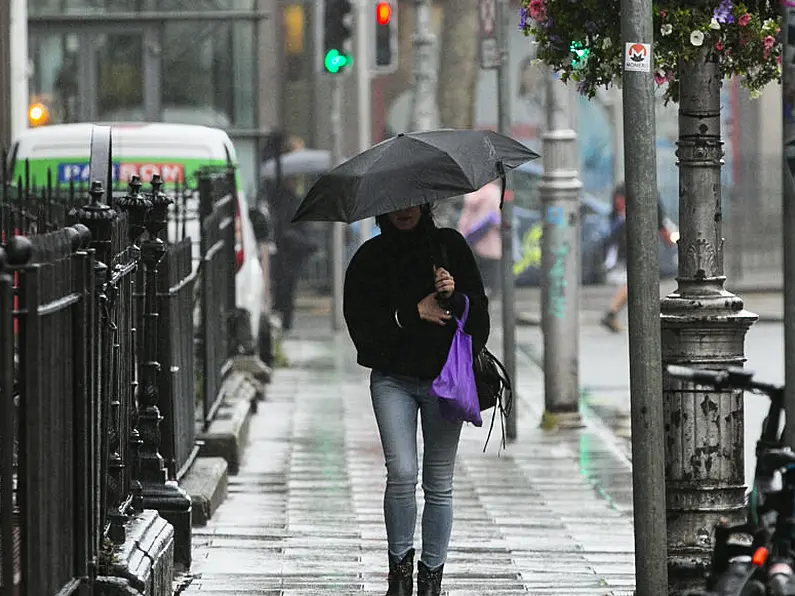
(99, 218)
(168, 498)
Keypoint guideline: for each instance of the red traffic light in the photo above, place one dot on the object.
(383, 13)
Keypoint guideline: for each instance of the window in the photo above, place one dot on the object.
(54, 77)
(208, 73)
(58, 7)
(202, 5)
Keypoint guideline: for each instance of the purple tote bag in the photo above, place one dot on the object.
(455, 386)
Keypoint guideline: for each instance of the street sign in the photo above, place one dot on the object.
(489, 48)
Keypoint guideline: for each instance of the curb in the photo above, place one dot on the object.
(530, 319)
(207, 484)
(228, 432)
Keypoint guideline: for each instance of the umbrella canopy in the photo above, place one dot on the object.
(302, 161)
(411, 169)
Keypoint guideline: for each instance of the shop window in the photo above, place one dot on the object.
(208, 73)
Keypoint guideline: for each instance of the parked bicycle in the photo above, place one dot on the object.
(755, 558)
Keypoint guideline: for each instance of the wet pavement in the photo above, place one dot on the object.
(304, 515)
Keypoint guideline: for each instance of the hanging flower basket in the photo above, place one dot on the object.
(581, 39)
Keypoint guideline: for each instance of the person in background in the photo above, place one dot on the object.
(616, 254)
(479, 223)
(294, 246)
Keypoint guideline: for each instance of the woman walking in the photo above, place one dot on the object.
(402, 290)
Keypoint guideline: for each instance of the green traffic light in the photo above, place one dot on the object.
(335, 61)
(580, 54)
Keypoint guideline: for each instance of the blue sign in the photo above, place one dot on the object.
(79, 172)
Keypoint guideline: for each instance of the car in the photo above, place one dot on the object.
(175, 151)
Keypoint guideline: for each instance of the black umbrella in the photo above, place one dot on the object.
(411, 169)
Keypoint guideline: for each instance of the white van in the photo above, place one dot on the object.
(176, 152)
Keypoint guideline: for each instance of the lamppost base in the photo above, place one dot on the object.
(174, 505)
(561, 420)
(703, 325)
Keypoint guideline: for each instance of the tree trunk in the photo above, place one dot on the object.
(459, 66)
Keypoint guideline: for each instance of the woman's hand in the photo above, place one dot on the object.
(445, 284)
(431, 311)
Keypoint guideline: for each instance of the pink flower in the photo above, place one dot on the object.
(662, 14)
(661, 78)
(768, 42)
(778, 59)
(766, 53)
(719, 46)
(538, 10)
(744, 20)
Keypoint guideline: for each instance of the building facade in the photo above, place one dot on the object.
(183, 61)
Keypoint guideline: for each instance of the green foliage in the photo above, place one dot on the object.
(745, 38)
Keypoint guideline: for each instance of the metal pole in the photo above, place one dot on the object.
(425, 112)
(338, 229)
(506, 228)
(560, 263)
(364, 36)
(5, 75)
(788, 187)
(18, 38)
(702, 324)
(645, 374)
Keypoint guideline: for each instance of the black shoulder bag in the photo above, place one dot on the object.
(491, 380)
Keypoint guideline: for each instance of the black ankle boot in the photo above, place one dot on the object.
(401, 575)
(429, 583)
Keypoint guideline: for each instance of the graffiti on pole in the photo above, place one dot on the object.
(556, 275)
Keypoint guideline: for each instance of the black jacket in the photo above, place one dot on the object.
(393, 272)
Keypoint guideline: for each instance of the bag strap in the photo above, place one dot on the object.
(463, 320)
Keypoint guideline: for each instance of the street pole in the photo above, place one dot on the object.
(5, 75)
(788, 187)
(18, 38)
(425, 112)
(361, 65)
(645, 373)
(506, 227)
(560, 262)
(703, 324)
(338, 229)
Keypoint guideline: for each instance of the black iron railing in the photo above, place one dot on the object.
(217, 203)
(97, 363)
(175, 353)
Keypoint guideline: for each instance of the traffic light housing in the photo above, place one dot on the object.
(386, 49)
(337, 46)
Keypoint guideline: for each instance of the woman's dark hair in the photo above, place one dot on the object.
(382, 221)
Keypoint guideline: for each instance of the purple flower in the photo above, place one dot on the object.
(548, 24)
(523, 18)
(723, 14)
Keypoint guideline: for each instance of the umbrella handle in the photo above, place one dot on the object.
(501, 171)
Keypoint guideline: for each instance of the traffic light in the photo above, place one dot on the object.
(386, 50)
(337, 44)
(579, 55)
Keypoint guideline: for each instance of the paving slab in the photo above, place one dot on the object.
(304, 512)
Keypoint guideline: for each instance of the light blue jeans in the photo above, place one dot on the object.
(396, 402)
